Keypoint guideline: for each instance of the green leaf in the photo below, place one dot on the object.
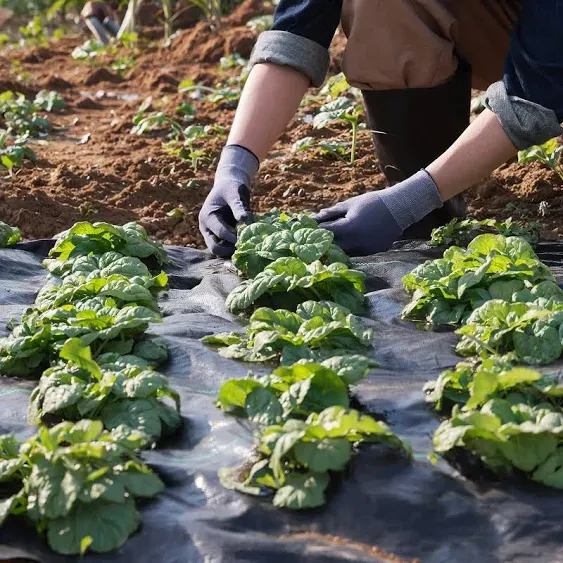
(351, 369)
(6, 506)
(77, 352)
(140, 482)
(302, 490)
(539, 345)
(263, 407)
(324, 455)
(109, 525)
(58, 398)
(56, 489)
(322, 390)
(550, 471)
(8, 235)
(234, 393)
(144, 415)
(528, 451)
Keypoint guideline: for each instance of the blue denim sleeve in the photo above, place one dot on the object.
(300, 37)
(316, 20)
(529, 100)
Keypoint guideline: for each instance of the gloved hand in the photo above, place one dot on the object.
(372, 222)
(228, 202)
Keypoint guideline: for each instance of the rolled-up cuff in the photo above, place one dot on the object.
(289, 49)
(526, 123)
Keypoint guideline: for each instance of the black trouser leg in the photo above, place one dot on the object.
(412, 127)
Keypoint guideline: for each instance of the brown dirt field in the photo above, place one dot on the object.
(119, 177)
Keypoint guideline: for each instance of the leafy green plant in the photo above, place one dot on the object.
(458, 386)
(91, 50)
(283, 235)
(512, 432)
(123, 64)
(20, 116)
(131, 396)
(295, 282)
(33, 33)
(12, 156)
(295, 391)
(227, 96)
(317, 330)
(9, 235)
(335, 87)
(156, 121)
(548, 154)
(49, 101)
(446, 290)
(98, 238)
(303, 144)
(338, 151)
(295, 459)
(22, 75)
(232, 61)
(258, 24)
(344, 110)
(460, 232)
(184, 147)
(36, 342)
(531, 330)
(77, 484)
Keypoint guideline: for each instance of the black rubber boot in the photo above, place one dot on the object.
(412, 127)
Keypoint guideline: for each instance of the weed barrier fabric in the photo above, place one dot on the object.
(410, 510)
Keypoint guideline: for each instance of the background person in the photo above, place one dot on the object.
(101, 19)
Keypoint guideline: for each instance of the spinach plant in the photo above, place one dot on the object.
(78, 484)
(9, 235)
(317, 330)
(295, 459)
(446, 290)
(283, 235)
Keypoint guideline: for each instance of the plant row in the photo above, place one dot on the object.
(86, 336)
(306, 430)
(510, 311)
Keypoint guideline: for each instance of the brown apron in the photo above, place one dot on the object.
(394, 44)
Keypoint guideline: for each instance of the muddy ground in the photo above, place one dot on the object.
(117, 177)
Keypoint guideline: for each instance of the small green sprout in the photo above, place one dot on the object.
(341, 109)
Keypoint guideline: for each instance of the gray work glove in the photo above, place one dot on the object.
(228, 202)
(372, 222)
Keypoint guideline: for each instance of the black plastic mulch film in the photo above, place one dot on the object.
(411, 510)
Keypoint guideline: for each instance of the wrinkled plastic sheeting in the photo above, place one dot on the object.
(381, 505)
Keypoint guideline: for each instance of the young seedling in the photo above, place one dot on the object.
(123, 64)
(13, 156)
(20, 116)
(33, 33)
(156, 121)
(303, 144)
(260, 23)
(548, 154)
(344, 110)
(232, 61)
(49, 101)
(339, 151)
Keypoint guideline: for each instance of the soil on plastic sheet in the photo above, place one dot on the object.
(92, 168)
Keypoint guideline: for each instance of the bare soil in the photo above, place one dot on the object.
(117, 177)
